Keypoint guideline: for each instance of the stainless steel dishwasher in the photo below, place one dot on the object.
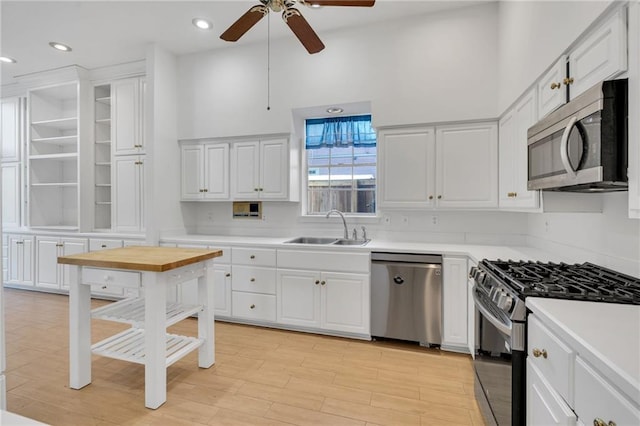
(406, 297)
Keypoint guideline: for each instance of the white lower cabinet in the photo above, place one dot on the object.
(335, 298)
(49, 274)
(20, 260)
(563, 388)
(455, 304)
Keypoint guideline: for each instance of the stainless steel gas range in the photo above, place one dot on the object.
(499, 292)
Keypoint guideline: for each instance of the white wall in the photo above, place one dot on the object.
(533, 35)
(609, 238)
(431, 68)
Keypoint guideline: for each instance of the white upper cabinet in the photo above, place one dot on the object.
(127, 100)
(552, 88)
(405, 168)
(260, 169)
(11, 125)
(451, 167)
(205, 171)
(602, 55)
(467, 166)
(513, 126)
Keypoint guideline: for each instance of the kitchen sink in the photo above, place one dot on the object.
(327, 241)
(312, 240)
(345, 242)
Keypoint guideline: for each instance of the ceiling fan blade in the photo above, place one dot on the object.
(244, 23)
(302, 30)
(360, 3)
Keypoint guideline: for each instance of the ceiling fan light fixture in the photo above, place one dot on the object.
(335, 110)
(60, 46)
(7, 60)
(202, 23)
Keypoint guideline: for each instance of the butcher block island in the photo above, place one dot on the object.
(146, 272)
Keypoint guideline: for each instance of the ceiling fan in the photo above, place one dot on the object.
(291, 16)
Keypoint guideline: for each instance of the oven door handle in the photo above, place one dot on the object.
(504, 328)
(564, 147)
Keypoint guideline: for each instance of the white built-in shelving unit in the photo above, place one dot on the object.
(102, 152)
(53, 151)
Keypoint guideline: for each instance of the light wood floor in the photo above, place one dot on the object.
(261, 376)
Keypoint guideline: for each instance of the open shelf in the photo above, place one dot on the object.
(58, 140)
(55, 227)
(131, 311)
(104, 100)
(54, 184)
(104, 121)
(58, 123)
(129, 346)
(60, 156)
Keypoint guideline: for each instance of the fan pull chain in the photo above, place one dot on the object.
(269, 62)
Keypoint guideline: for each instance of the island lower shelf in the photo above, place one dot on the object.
(131, 311)
(129, 346)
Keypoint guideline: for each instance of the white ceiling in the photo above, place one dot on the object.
(105, 33)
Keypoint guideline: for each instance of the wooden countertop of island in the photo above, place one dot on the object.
(141, 258)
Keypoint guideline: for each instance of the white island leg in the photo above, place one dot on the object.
(206, 352)
(79, 330)
(155, 324)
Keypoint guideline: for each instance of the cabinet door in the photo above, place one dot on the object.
(11, 195)
(467, 166)
(544, 406)
(454, 303)
(298, 301)
(406, 164)
(128, 181)
(192, 163)
(222, 290)
(69, 247)
(11, 125)
(506, 154)
(125, 117)
(245, 169)
(274, 168)
(20, 258)
(601, 56)
(47, 252)
(216, 171)
(552, 90)
(345, 302)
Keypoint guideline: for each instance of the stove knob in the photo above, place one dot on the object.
(505, 302)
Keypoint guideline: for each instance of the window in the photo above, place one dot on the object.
(341, 165)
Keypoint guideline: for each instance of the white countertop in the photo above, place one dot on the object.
(607, 335)
(473, 251)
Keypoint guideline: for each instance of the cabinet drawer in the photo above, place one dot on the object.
(253, 306)
(544, 405)
(254, 279)
(324, 261)
(251, 256)
(110, 277)
(107, 290)
(595, 398)
(554, 359)
(95, 245)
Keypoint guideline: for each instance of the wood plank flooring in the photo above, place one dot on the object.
(261, 377)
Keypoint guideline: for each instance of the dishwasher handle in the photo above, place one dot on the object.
(436, 266)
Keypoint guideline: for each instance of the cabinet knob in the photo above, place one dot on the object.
(103, 245)
(567, 81)
(205, 190)
(19, 242)
(537, 353)
(252, 280)
(431, 197)
(555, 85)
(323, 282)
(227, 275)
(260, 189)
(252, 306)
(255, 189)
(439, 197)
(317, 282)
(104, 287)
(599, 422)
(253, 256)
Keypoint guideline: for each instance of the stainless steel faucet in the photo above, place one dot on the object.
(344, 222)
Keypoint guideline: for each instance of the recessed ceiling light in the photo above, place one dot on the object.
(335, 110)
(203, 24)
(7, 60)
(60, 46)
(315, 6)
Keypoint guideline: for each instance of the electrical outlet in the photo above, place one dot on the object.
(434, 220)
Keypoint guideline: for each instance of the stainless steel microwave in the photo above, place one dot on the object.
(582, 146)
